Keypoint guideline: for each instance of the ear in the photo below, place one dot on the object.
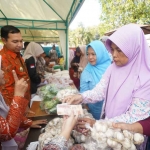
(4, 40)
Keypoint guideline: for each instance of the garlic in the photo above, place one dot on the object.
(102, 135)
(83, 138)
(128, 134)
(109, 123)
(98, 126)
(118, 147)
(111, 143)
(103, 146)
(119, 136)
(126, 143)
(56, 120)
(132, 147)
(109, 133)
(138, 138)
(104, 128)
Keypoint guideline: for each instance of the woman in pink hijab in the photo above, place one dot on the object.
(125, 86)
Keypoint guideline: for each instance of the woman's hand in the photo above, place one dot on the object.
(68, 125)
(73, 99)
(20, 85)
(135, 127)
(37, 123)
(80, 126)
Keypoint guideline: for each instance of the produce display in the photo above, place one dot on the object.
(61, 78)
(66, 92)
(52, 94)
(106, 137)
(52, 130)
(49, 100)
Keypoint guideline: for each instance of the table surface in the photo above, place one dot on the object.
(39, 114)
(37, 110)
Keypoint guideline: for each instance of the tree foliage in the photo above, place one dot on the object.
(115, 13)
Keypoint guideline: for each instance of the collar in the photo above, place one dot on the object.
(11, 53)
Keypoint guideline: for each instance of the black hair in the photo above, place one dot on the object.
(78, 50)
(5, 30)
(47, 57)
(26, 44)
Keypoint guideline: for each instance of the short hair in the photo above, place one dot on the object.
(5, 30)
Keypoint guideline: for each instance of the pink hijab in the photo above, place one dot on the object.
(133, 79)
(83, 58)
(71, 56)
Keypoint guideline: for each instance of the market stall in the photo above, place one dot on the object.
(48, 96)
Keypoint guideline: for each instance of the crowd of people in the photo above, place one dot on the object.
(112, 76)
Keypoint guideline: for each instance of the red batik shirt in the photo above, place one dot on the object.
(13, 61)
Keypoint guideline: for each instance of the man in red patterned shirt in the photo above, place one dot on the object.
(11, 60)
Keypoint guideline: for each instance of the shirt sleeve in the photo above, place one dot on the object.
(96, 94)
(10, 125)
(146, 126)
(139, 110)
(58, 143)
(31, 67)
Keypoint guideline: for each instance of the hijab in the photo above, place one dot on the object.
(4, 109)
(133, 79)
(33, 50)
(102, 60)
(76, 59)
(83, 58)
(71, 56)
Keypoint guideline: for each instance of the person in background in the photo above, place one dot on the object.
(71, 56)
(53, 54)
(75, 66)
(61, 62)
(47, 64)
(32, 53)
(76, 60)
(83, 60)
(40, 65)
(98, 62)
(104, 39)
(11, 60)
(125, 85)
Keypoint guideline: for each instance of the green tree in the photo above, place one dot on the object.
(116, 13)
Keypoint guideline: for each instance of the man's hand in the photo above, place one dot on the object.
(20, 85)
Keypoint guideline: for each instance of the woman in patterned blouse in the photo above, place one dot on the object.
(125, 86)
(10, 119)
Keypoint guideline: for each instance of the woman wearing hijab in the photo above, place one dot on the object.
(83, 60)
(98, 62)
(125, 86)
(32, 53)
(75, 66)
(10, 119)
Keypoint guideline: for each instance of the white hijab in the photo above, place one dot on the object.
(33, 50)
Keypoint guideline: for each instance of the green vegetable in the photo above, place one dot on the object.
(50, 104)
(53, 110)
